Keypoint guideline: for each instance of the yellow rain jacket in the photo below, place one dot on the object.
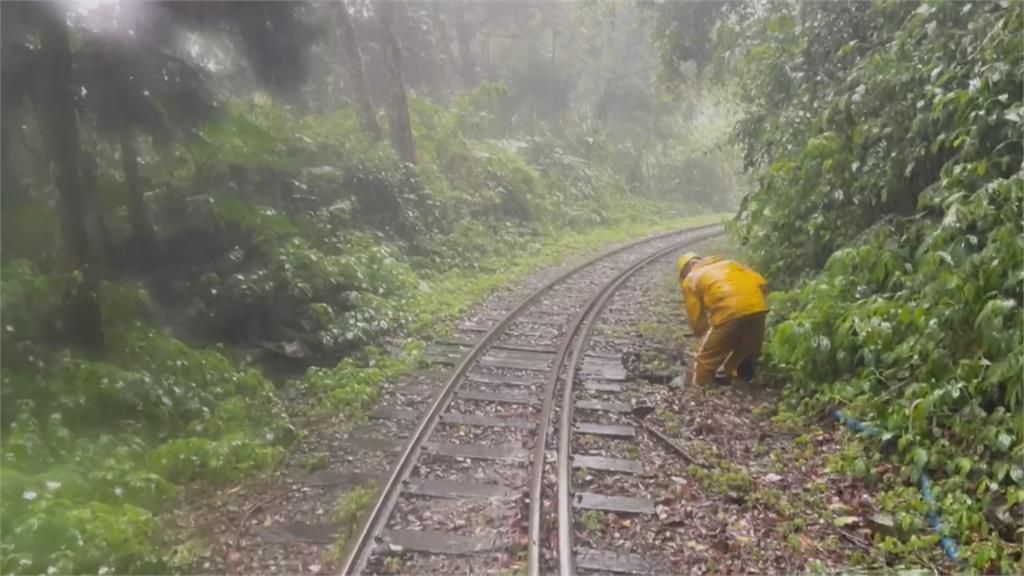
(722, 290)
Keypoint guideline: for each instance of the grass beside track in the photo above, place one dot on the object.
(451, 294)
(352, 386)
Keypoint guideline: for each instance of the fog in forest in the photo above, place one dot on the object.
(222, 223)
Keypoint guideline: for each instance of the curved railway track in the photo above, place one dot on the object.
(562, 314)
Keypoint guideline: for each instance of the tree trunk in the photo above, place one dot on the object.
(554, 48)
(464, 37)
(398, 103)
(8, 180)
(360, 89)
(142, 229)
(59, 122)
(432, 64)
(444, 38)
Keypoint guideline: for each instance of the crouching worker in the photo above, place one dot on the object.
(725, 304)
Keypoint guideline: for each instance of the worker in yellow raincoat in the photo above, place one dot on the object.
(725, 303)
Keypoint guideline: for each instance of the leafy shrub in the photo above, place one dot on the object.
(852, 115)
(93, 448)
(297, 234)
(888, 146)
(331, 303)
(58, 536)
(351, 386)
(919, 329)
(348, 511)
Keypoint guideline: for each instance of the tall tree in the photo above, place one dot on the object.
(273, 34)
(399, 123)
(464, 36)
(78, 216)
(142, 228)
(353, 60)
(19, 62)
(441, 26)
(111, 80)
(134, 84)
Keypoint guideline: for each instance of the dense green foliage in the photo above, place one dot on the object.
(886, 139)
(290, 254)
(93, 449)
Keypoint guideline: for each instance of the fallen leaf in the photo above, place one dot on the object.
(839, 507)
(884, 519)
(843, 521)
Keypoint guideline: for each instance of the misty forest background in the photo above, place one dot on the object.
(218, 214)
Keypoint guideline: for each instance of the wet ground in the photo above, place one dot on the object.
(288, 522)
(740, 489)
(737, 493)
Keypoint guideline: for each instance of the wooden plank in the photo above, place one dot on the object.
(621, 407)
(621, 504)
(612, 561)
(374, 444)
(482, 396)
(604, 368)
(476, 451)
(515, 364)
(541, 321)
(611, 430)
(437, 542)
(492, 421)
(606, 464)
(604, 356)
(440, 488)
(602, 387)
(299, 533)
(388, 413)
(523, 348)
(502, 380)
(542, 333)
(340, 479)
(455, 346)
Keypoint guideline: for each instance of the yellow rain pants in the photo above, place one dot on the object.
(725, 304)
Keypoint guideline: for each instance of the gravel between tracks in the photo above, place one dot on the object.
(764, 501)
(282, 522)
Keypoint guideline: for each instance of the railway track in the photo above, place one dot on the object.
(483, 457)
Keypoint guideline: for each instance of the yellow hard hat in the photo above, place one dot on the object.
(684, 260)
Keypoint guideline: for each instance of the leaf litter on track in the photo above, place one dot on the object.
(764, 501)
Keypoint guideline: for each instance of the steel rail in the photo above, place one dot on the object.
(359, 548)
(566, 557)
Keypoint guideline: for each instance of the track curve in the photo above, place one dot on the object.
(609, 270)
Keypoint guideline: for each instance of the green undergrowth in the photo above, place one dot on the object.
(348, 511)
(294, 241)
(447, 295)
(442, 298)
(889, 203)
(917, 330)
(93, 450)
(314, 242)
